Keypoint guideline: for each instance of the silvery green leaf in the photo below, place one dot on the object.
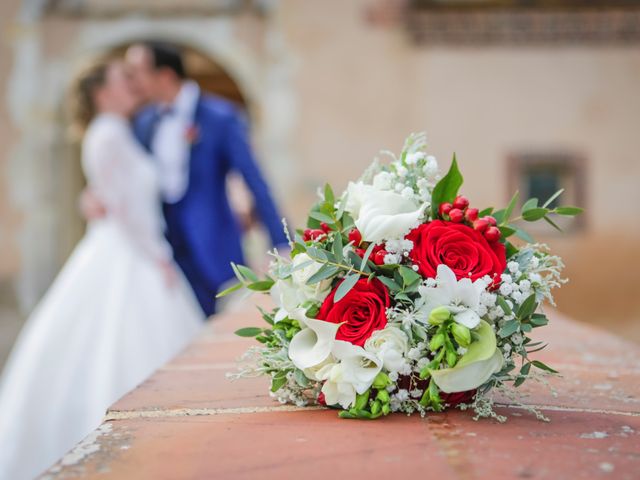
(346, 286)
(323, 273)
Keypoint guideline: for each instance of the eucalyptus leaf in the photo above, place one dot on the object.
(324, 272)
(529, 204)
(553, 197)
(345, 287)
(337, 246)
(510, 207)
(543, 366)
(321, 217)
(509, 328)
(535, 214)
(261, 285)
(552, 223)
(366, 255)
(568, 211)
(520, 233)
(249, 332)
(229, 290)
(247, 273)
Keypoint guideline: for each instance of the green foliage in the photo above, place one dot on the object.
(447, 188)
(249, 332)
(345, 287)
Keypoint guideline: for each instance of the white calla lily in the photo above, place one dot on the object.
(382, 214)
(460, 297)
(483, 359)
(312, 345)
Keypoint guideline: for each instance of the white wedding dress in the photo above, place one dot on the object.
(107, 322)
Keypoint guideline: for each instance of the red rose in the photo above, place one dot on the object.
(460, 247)
(456, 398)
(361, 311)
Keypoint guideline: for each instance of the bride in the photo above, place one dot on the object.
(118, 309)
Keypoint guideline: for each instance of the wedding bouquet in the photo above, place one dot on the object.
(401, 296)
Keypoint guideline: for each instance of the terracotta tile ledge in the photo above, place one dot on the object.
(188, 421)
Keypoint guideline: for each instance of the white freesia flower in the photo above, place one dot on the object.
(290, 293)
(336, 390)
(312, 345)
(382, 214)
(390, 345)
(475, 367)
(460, 297)
(353, 375)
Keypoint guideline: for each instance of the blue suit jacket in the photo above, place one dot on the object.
(202, 229)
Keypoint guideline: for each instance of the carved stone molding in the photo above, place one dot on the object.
(523, 26)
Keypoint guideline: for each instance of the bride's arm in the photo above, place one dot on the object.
(119, 180)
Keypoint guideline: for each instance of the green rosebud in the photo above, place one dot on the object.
(452, 358)
(361, 400)
(436, 341)
(386, 409)
(291, 332)
(462, 334)
(439, 315)
(376, 407)
(346, 414)
(383, 396)
(381, 381)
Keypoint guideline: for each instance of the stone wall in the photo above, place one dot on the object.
(329, 88)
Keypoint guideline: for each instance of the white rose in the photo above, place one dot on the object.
(317, 291)
(382, 215)
(390, 345)
(287, 296)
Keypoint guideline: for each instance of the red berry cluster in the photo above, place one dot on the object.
(459, 212)
(377, 254)
(316, 234)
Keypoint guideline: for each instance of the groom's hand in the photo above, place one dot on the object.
(90, 207)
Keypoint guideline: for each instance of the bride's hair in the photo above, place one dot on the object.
(81, 98)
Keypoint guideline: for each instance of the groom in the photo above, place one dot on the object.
(196, 140)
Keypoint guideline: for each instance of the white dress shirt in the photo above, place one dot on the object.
(171, 145)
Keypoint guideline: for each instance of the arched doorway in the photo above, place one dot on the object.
(211, 78)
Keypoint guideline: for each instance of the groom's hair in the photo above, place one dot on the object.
(166, 55)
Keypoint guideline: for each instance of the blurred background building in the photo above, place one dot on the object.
(532, 95)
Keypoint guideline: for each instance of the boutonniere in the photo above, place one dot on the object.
(192, 134)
